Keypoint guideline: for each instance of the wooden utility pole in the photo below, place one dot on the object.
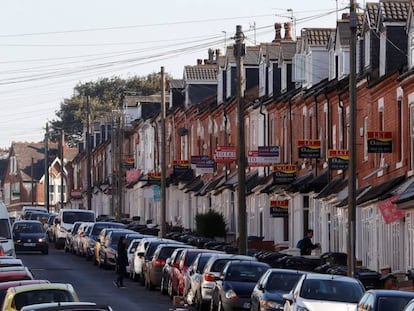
(62, 170)
(239, 52)
(163, 226)
(352, 144)
(88, 155)
(47, 168)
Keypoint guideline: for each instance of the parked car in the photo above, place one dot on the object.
(29, 235)
(6, 237)
(153, 269)
(49, 227)
(71, 236)
(100, 241)
(149, 252)
(324, 292)
(211, 272)
(109, 248)
(193, 277)
(6, 261)
(15, 274)
(384, 299)
(92, 237)
(235, 284)
(138, 257)
(269, 290)
(4, 286)
(170, 262)
(69, 306)
(409, 306)
(20, 296)
(77, 239)
(177, 277)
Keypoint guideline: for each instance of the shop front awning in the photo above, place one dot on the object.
(405, 200)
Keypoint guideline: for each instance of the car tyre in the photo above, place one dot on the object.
(162, 287)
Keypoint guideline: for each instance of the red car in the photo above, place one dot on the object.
(176, 282)
(15, 274)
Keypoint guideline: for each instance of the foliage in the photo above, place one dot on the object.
(103, 96)
(211, 224)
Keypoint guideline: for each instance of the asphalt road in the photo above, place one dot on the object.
(92, 283)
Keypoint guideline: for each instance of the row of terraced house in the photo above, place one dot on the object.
(297, 117)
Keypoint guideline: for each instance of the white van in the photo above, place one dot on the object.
(6, 237)
(64, 222)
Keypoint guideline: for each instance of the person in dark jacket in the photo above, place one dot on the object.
(121, 262)
(306, 246)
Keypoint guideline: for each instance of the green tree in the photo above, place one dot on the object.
(104, 96)
(211, 224)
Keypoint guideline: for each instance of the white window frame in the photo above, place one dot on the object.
(411, 131)
(401, 126)
(299, 68)
(367, 49)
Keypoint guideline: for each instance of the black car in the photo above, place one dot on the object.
(268, 292)
(384, 300)
(235, 285)
(29, 235)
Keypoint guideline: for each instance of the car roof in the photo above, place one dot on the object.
(286, 271)
(221, 255)
(27, 221)
(66, 306)
(390, 292)
(320, 276)
(5, 285)
(31, 287)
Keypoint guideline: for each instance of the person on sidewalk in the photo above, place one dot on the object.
(121, 262)
(305, 245)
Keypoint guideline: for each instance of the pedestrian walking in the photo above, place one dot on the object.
(305, 245)
(121, 262)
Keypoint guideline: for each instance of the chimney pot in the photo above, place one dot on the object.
(288, 31)
(199, 61)
(278, 35)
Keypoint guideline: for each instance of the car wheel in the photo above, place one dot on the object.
(213, 307)
(199, 302)
(219, 306)
(170, 290)
(162, 287)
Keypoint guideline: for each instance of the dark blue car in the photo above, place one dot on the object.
(29, 235)
(268, 292)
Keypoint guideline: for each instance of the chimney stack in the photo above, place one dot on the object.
(288, 31)
(210, 56)
(199, 61)
(278, 35)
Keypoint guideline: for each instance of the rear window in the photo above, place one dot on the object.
(98, 228)
(190, 258)
(202, 263)
(5, 229)
(71, 217)
(219, 265)
(166, 252)
(281, 281)
(332, 290)
(41, 296)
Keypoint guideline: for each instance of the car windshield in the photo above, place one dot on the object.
(332, 290)
(281, 281)
(28, 227)
(71, 217)
(392, 303)
(4, 229)
(219, 265)
(41, 296)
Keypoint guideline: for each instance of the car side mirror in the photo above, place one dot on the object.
(261, 287)
(288, 296)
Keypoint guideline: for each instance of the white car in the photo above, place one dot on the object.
(324, 292)
(130, 252)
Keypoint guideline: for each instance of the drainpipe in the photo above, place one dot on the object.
(315, 98)
(291, 134)
(340, 104)
(264, 130)
(329, 127)
(225, 135)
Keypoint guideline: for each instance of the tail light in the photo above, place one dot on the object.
(209, 277)
(159, 263)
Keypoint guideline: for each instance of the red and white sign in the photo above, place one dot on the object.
(389, 211)
(225, 154)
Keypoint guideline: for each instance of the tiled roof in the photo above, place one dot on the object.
(200, 73)
(371, 10)
(177, 84)
(317, 36)
(25, 152)
(287, 49)
(396, 10)
(272, 51)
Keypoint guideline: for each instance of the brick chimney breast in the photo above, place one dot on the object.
(278, 35)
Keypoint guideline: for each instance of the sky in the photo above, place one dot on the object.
(47, 47)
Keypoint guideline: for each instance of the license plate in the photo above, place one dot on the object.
(246, 305)
(29, 244)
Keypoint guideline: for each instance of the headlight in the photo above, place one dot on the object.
(40, 240)
(272, 305)
(230, 294)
